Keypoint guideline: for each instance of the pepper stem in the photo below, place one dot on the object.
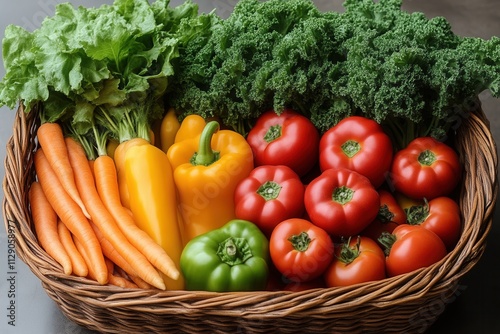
(234, 251)
(205, 155)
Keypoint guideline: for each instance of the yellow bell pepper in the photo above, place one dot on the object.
(168, 129)
(153, 201)
(191, 126)
(207, 168)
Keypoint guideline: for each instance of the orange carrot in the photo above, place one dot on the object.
(117, 280)
(45, 221)
(79, 265)
(111, 254)
(71, 214)
(107, 188)
(51, 139)
(83, 251)
(103, 219)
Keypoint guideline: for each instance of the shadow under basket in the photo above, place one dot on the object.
(407, 303)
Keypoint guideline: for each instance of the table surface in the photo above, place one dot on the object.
(474, 309)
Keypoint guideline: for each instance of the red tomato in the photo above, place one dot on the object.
(342, 202)
(300, 250)
(412, 247)
(360, 144)
(441, 215)
(389, 216)
(288, 139)
(269, 195)
(360, 260)
(426, 168)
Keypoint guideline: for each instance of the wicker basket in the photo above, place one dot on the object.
(405, 304)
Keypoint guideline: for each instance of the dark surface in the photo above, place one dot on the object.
(475, 308)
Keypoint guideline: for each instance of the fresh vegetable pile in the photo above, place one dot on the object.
(280, 148)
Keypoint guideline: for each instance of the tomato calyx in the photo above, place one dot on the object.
(301, 241)
(417, 214)
(347, 253)
(387, 239)
(385, 215)
(350, 148)
(342, 195)
(234, 251)
(426, 158)
(273, 133)
(269, 190)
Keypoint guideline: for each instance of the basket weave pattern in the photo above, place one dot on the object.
(408, 303)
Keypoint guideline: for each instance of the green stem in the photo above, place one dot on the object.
(347, 253)
(273, 133)
(342, 195)
(300, 242)
(234, 251)
(417, 214)
(387, 239)
(269, 190)
(205, 155)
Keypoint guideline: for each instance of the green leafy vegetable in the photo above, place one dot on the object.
(410, 73)
(114, 60)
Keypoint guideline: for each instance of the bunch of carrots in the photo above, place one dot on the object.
(80, 221)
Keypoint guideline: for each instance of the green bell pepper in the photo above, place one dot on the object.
(234, 257)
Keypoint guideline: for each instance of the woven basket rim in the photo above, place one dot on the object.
(415, 288)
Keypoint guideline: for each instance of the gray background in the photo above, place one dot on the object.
(475, 310)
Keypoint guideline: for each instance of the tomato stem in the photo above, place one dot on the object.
(348, 253)
(426, 158)
(342, 195)
(350, 148)
(387, 239)
(269, 190)
(385, 215)
(417, 214)
(300, 242)
(273, 133)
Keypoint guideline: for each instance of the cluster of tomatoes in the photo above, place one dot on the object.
(366, 213)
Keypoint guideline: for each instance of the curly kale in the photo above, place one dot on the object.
(409, 73)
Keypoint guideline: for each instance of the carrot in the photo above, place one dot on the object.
(79, 265)
(107, 188)
(117, 280)
(51, 139)
(103, 219)
(70, 214)
(45, 221)
(83, 251)
(111, 254)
